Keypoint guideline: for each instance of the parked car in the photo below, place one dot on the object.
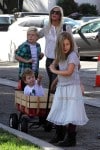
(85, 37)
(88, 18)
(66, 20)
(22, 24)
(75, 15)
(23, 14)
(73, 23)
(6, 21)
(38, 21)
(85, 19)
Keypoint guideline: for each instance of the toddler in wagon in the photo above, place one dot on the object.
(33, 87)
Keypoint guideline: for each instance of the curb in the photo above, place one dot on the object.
(44, 145)
(95, 102)
(8, 82)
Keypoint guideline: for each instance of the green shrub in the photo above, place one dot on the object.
(69, 6)
(87, 9)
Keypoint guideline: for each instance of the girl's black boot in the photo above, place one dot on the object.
(60, 134)
(69, 141)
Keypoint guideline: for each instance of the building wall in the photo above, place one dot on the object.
(51, 3)
(38, 5)
(28, 5)
(35, 5)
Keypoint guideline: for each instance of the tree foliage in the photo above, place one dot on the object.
(87, 9)
(69, 6)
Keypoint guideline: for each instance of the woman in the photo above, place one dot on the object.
(50, 32)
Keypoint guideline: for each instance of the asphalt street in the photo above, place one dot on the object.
(87, 134)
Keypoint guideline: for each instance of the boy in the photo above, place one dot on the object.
(29, 53)
(33, 87)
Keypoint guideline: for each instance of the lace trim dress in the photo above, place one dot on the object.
(68, 105)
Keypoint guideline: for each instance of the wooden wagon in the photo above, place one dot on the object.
(30, 108)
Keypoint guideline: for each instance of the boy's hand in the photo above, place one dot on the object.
(41, 56)
(39, 79)
(30, 61)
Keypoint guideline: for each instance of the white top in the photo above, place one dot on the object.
(51, 38)
(50, 43)
(33, 49)
(35, 90)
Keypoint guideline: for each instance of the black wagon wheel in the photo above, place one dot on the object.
(47, 126)
(13, 121)
(23, 125)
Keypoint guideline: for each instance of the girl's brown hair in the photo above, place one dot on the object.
(59, 55)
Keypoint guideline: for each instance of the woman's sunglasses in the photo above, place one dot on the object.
(56, 12)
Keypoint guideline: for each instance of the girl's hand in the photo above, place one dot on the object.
(82, 88)
(52, 68)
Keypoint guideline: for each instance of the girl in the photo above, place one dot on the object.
(68, 106)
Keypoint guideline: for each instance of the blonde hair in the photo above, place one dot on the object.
(59, 55)
(27, 72)
(33, 29)
(58, 29)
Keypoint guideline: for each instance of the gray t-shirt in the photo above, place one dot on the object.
(74, 78)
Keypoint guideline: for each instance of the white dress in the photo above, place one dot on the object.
(68, 105)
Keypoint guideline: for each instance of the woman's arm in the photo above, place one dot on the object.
(53, 85)
(41, 56)
(41, 33)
